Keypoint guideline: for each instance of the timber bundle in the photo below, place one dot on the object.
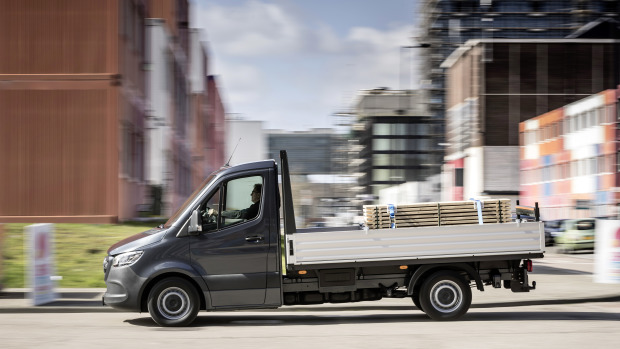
(437, 213)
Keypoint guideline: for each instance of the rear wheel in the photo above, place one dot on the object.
(173, 302)
(416, 299)
(445, 296)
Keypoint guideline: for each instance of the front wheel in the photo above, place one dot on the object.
(173, 302)
(445, 296)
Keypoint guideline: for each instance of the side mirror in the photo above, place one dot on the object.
(194, 227)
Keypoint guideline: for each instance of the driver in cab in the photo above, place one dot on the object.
(246, 213)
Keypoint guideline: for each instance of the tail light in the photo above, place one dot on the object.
(527, 264)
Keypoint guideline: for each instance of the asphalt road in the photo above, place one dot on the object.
(497, 319)
(389, 325)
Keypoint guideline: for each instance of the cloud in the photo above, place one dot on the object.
(326, 40)
(251, 29)
(279, 67)
(241, 82)
(371, 58)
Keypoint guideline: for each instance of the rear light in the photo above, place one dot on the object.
(527, 264)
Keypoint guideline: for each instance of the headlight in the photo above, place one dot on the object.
(126, 259)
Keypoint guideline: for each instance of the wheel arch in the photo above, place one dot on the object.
(148, 286)
(426, 270)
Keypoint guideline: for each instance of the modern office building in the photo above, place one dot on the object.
(398, 140)
(494, 84)
(569, 159)
(446, 24)
(309, 152)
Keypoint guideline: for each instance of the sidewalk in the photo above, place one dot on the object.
(69, 300)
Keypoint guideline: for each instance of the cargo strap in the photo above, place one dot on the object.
(392, 211)
(478, 205)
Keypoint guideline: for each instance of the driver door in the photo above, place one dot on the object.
(231, 253)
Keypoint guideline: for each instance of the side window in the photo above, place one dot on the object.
(236, 201)
(242, 200)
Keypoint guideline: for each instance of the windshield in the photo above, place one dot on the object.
(189, 200)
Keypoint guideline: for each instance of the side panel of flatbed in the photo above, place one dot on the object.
(414, 243)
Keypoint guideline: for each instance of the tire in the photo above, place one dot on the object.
(173, 302)
(445, 296)
(416, 300)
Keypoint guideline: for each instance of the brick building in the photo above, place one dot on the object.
(75, 126)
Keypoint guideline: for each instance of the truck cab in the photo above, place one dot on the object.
(204, 257)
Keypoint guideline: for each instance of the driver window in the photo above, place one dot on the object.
(240, 202)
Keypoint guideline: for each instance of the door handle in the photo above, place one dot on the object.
(255, 238)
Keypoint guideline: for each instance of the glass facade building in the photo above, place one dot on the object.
(309, 152)
(398, 140)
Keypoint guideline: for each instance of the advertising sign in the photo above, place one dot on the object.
(40, 247)
(607, 252)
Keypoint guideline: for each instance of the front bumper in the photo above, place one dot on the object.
(123, 288)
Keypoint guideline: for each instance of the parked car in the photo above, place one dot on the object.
(578, 235)
(552, 230)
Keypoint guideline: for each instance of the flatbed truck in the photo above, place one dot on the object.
(202, 259)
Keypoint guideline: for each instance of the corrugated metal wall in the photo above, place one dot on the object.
(54, 148)
(59, 95)
(53, 36)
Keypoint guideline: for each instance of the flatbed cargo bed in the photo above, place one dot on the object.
(402, 244)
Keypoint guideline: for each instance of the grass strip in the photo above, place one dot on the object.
(79, 250)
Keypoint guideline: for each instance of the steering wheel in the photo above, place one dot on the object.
(209, 217)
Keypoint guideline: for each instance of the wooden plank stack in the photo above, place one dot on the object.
(437, 214)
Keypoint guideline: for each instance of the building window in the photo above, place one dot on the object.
(458, 177)
(381, 129)
(127, 148)
(388, 175)
(381, 144)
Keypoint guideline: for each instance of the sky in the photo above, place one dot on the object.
(295, 63)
